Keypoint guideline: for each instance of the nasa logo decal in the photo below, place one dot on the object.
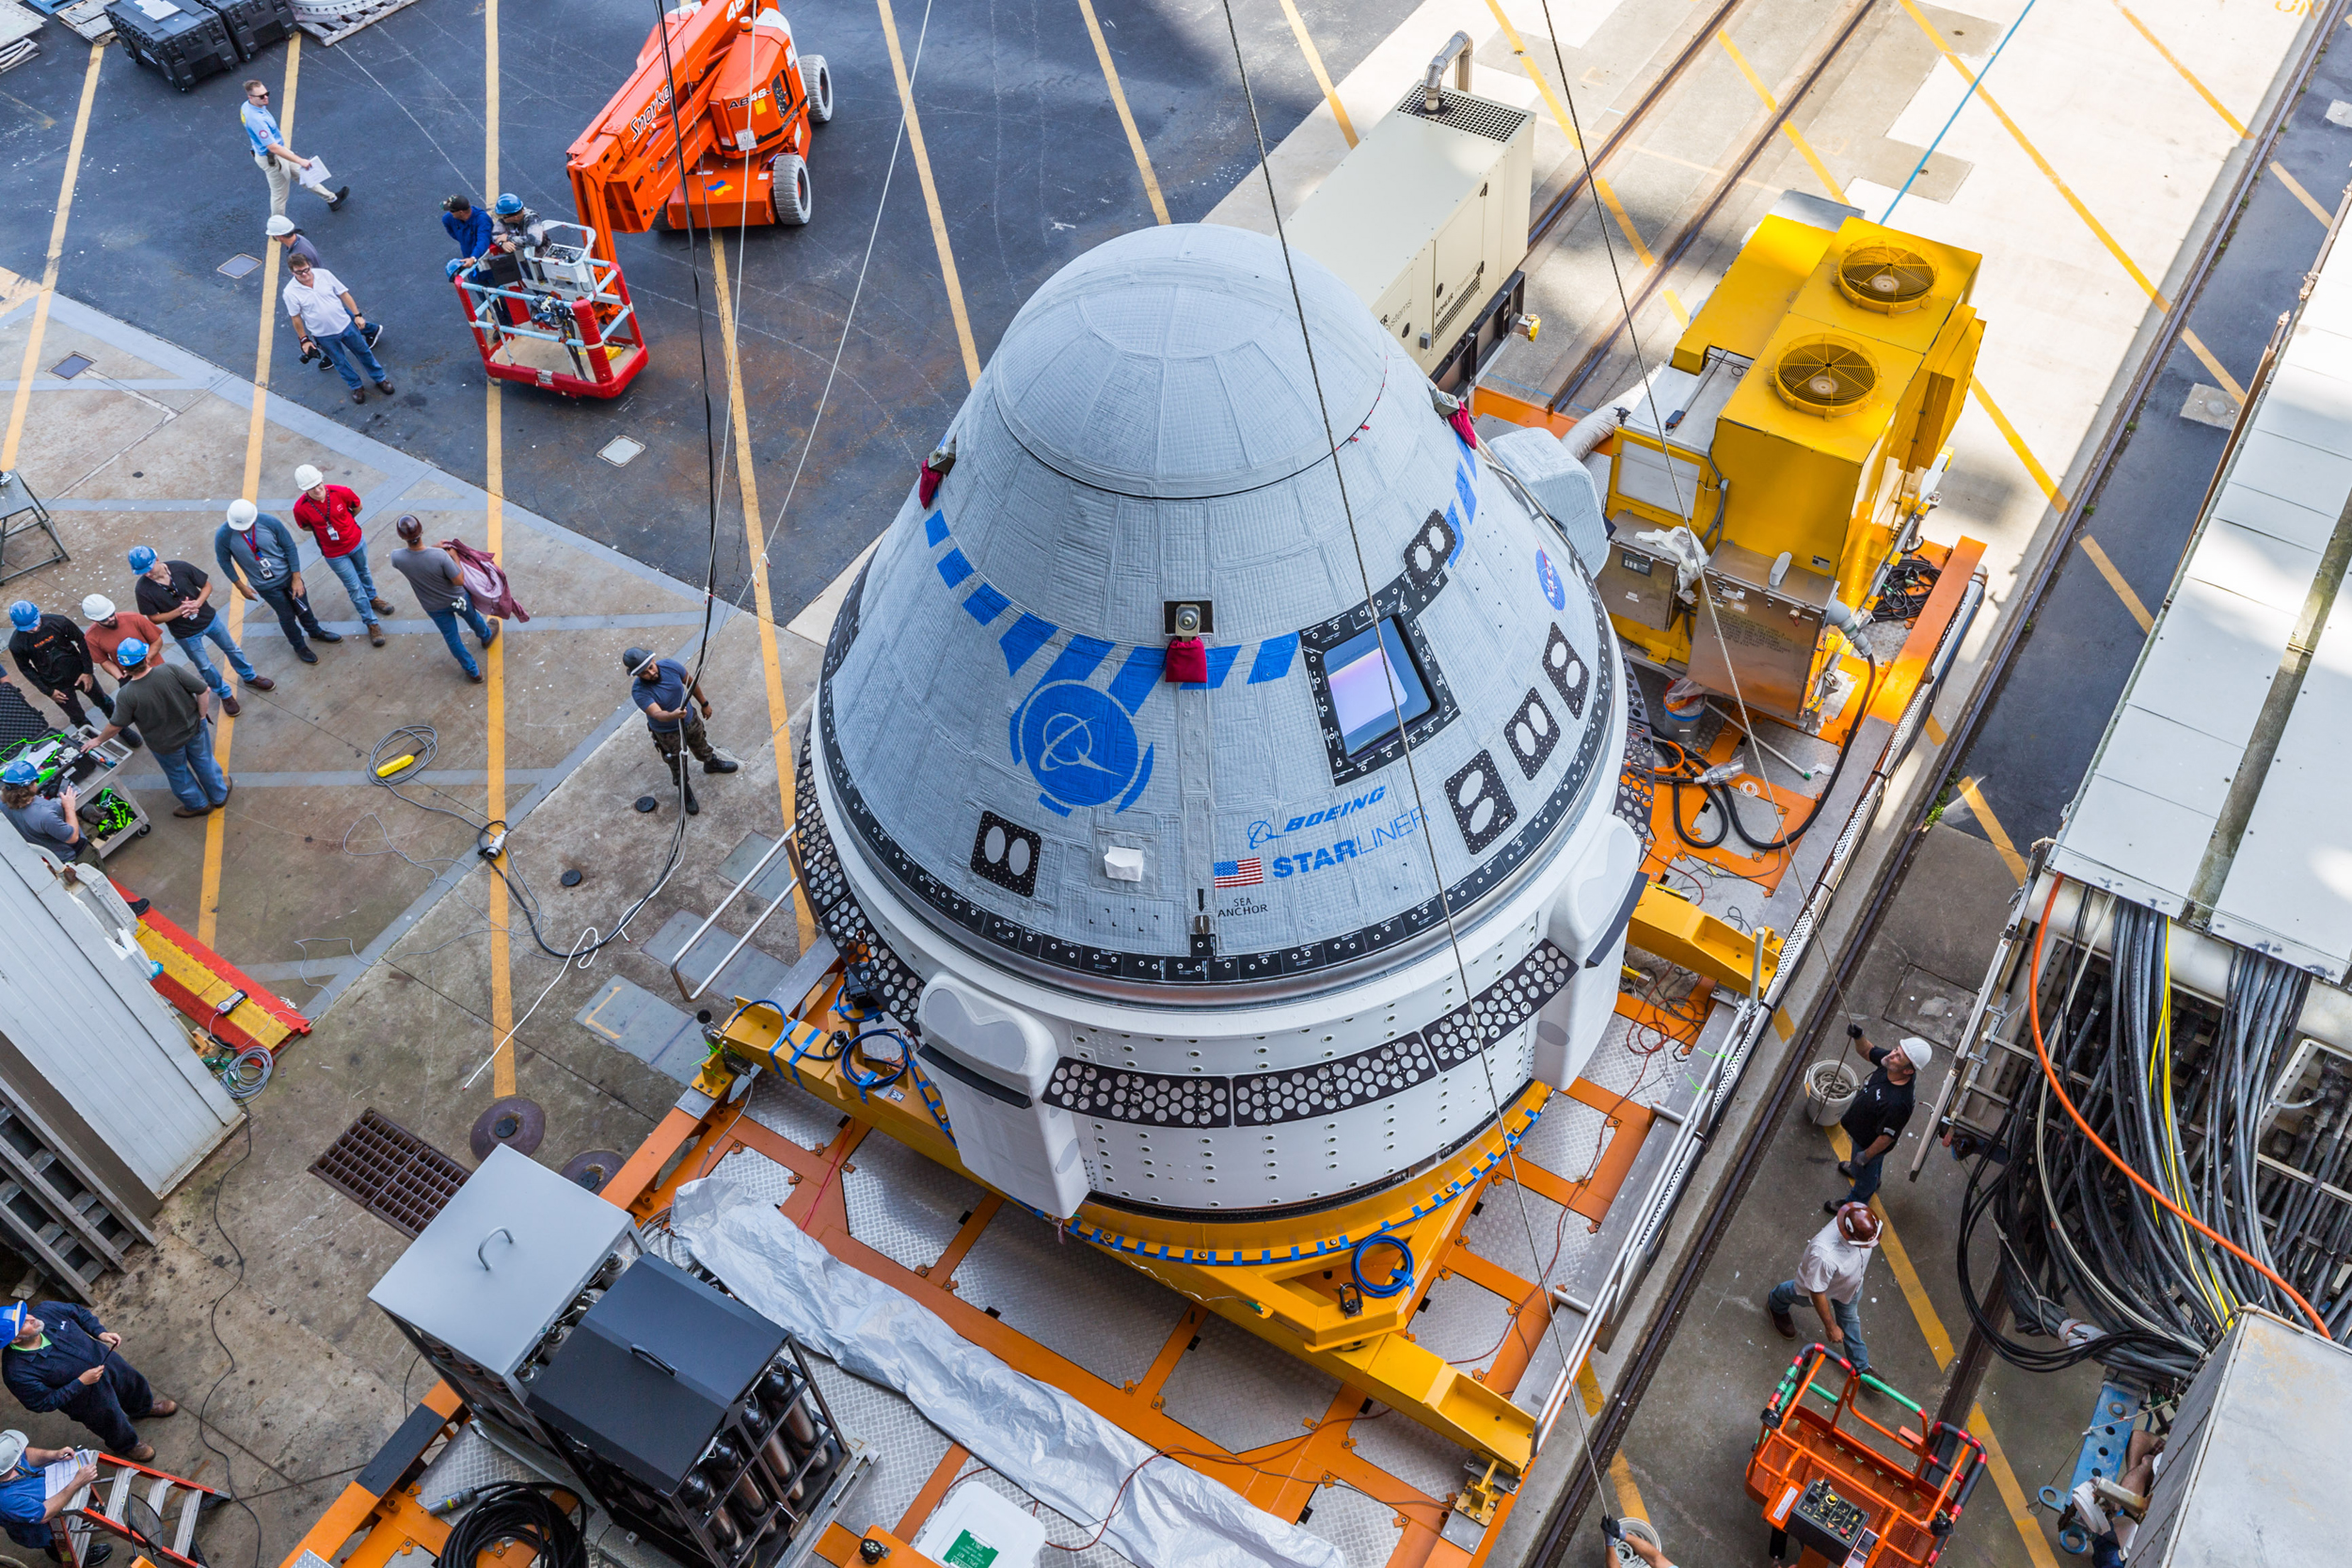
(1547, 576)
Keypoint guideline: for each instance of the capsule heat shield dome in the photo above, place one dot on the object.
(652, 1371)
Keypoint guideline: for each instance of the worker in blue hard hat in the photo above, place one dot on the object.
(179, 594)
(168, 703)
(470, 227)
(48, 823)
(55, 662)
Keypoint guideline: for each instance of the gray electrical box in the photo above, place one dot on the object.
(2250, 1471)
(1635, 585)
(488, 1289)
(1770, 630)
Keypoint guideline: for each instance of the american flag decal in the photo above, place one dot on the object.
(1248, 873)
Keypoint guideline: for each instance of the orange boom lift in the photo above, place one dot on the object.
(739, 124)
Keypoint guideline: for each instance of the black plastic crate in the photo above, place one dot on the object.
(253, 24)
(186, 43)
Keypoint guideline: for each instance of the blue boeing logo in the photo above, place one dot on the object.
(1078, 740)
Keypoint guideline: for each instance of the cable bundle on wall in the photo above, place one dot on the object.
(2126, 1189)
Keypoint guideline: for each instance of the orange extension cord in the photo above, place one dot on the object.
(2033, 1012)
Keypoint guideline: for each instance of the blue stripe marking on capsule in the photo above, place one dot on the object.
(1024, 638)
(1220, 661)
(1137, 675)
(986, 604)
(953, 568)
(935, 526)
(1274, 659)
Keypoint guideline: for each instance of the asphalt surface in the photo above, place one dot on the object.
(1031, 165)
(2035, 743)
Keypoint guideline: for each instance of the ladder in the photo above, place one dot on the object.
(107, 1502)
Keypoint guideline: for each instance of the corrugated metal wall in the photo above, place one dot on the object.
(100, 1061)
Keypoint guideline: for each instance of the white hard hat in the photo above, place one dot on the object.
(1917, 1050)
(241, 514)
(307, 478)
(98, 606)
(13, 1445)
(280, 226)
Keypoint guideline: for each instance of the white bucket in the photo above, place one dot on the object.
(1830, 1088)
(1617, 1554)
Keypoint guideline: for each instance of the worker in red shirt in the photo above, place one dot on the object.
(331, 515)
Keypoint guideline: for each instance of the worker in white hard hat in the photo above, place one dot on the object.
(1830, 1276)
(29, 1506)
(1879, 1113)
(331, 515)
(257, 554)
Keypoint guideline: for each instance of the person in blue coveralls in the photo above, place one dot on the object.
(59, 1356)
(28, 1508)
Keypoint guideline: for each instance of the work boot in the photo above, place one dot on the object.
(693, 807)
(359, 396)
(497, 626)
(375, 634)
(335, 202)
(141, 1454)
(1831, 1205)
(1787, 1324)
(261, 683)
(229, 705)
(165, 1407)
(383, 607)
(386, 387)
(302, 652)
(325, 636)
(721, 763)
(192, 811)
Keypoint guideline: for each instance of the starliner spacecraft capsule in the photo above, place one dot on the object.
(1106, 799)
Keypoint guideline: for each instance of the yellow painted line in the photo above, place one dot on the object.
(2017, 444)
(2187, 75)
(1935, 731)
(930, 196)
(2115, 580)
(1323, 77)
(2020, 1508)
(56, 256)
(1629, 1494)
(1640, 252)
(1126, 115)
(1782, 1025)
(1966, 789)
(1518, 47)
(2227, 382)
(257, 426)
(1796, 138)
(1588, 1388)
(754, 537)
(1940, 1345)
(2040, 163)
(502, 1081)
(2296, 190)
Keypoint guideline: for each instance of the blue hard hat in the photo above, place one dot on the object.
(26, 613)
(458, 264)
(142, 558)
(130, 652)
(509, 204)
(20, 773)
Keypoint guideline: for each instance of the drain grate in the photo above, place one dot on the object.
(389, 1172)
(618, 451)
(72, 366)
(238, 266)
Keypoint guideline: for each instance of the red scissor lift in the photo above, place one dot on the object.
(567, 324)
(1849, 1492)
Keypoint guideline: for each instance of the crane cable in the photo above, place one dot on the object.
(2033, 1014)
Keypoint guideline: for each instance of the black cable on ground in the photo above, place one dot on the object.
(524, 1512)
(212, 1322)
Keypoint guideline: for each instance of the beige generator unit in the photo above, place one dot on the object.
(1426, 219)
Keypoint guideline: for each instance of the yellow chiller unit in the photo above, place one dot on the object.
(1797, 433)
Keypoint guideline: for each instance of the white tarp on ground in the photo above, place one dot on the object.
(1040, 1438)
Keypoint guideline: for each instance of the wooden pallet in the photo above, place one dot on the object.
(344, 27)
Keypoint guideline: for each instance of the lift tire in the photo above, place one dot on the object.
(144, 828)
(790, 190)
(816, 76)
